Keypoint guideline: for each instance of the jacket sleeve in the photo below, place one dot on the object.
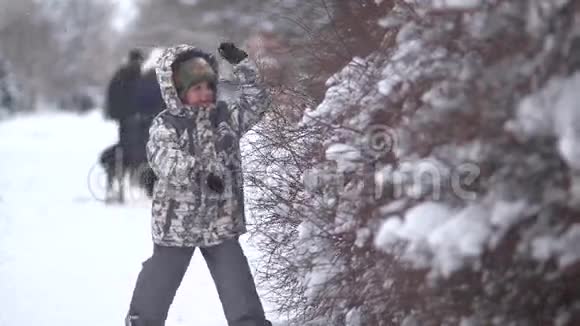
(167, 160)
(254, 99)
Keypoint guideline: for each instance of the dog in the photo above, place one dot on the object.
(128, 158)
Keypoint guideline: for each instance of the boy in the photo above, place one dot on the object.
(193, 149)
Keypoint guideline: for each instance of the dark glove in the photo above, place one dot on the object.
(215, 183)
(231, 53)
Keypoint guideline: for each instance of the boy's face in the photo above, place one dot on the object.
(200, 94)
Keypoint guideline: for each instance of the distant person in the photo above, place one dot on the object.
(120, 97)
(128, 155)
(198, 201)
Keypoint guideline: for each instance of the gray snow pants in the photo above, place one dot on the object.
(161, 276)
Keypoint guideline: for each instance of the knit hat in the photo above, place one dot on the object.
(191, 72)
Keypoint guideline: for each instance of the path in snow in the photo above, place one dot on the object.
(66, 258)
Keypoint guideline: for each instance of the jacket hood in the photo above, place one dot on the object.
(167, 61)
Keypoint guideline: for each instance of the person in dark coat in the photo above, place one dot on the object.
(120, 99)
(123, 106)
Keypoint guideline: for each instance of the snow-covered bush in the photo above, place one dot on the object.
(437, 181)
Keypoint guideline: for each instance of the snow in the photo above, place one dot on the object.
(341, 91)
(447, 239)
(410, 61)
(448, 4)
(344, 155)
(553, 111)
(410, 320)
(457, 4)
(393, 207)
(421, 219)
(388, 233)
(505, 215)
(460, 238)
(315, 280)
(414, 230)
(66, 258)
(445, 96)
(568, 121)
(353, 317)
(362, 236)
(564, 248)
(538, 11)
(342, 152)
(324, 266)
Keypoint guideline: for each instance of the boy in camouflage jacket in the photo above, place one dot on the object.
(193, 149)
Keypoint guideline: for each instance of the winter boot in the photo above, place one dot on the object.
(134, 320)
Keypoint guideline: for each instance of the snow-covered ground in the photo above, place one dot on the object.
(66, 258)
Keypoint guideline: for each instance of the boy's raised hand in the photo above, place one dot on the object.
(231, 53)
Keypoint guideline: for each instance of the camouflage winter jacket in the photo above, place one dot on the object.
(185, 144)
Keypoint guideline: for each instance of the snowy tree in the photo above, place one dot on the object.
(57, 48)
(436, 183)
